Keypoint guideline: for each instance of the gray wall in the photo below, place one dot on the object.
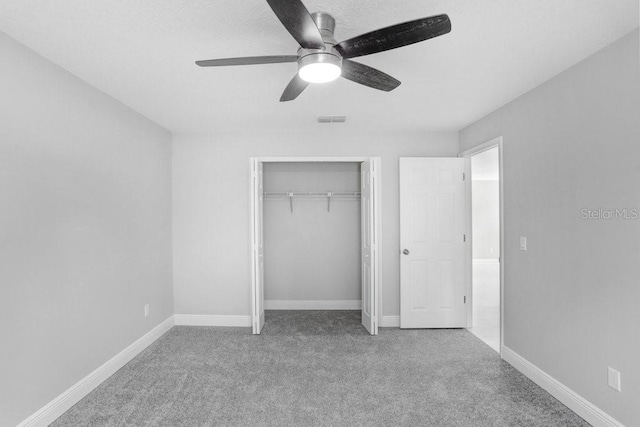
(312, 254)
(211, 227)
(571, 300)
(85, 229)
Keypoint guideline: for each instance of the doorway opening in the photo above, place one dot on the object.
(486, 214)
(314, 236)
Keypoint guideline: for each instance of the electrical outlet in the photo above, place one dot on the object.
(523, 243)
(614, 379)
(146, 310)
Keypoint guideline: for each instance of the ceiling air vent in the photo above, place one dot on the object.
(332, 119)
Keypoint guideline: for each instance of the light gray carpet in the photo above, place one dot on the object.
(318, 368)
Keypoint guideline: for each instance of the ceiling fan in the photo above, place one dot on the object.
(322, 59)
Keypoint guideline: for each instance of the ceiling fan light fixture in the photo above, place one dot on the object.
(320, 67)
(320, 72)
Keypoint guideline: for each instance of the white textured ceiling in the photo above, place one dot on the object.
(143, 52)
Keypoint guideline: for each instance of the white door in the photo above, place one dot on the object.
(433, 243)
(257, 244)
(369, 247)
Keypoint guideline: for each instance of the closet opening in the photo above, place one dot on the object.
(314, 236)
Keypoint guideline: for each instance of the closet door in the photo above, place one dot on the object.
(257, 244)
(369, 247)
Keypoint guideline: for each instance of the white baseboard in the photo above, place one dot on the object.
(212, 320)
(313, 305)
(58, 406)
(591, 413)
(486, 261)
(390, 322)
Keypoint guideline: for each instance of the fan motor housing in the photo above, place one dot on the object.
(315, 56)
(326, 24)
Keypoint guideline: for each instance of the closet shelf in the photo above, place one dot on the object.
(328, 194)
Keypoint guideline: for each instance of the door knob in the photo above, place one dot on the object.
(406, 252)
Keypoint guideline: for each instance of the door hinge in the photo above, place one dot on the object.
(463, 176)
(464, 237)
(465, 299)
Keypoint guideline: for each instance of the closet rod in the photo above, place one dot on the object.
(329, 195)
(323, 194)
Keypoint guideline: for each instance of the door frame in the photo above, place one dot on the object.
(377, 202)
(467, 154)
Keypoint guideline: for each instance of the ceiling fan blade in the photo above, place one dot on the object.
(249, 60)
(293, 89)
(395, 36)
(297, 20)
(368, 76)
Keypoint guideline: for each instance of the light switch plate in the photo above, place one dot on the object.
(523, 243)
(613, 379)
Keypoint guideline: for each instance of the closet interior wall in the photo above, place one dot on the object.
(312, 253)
